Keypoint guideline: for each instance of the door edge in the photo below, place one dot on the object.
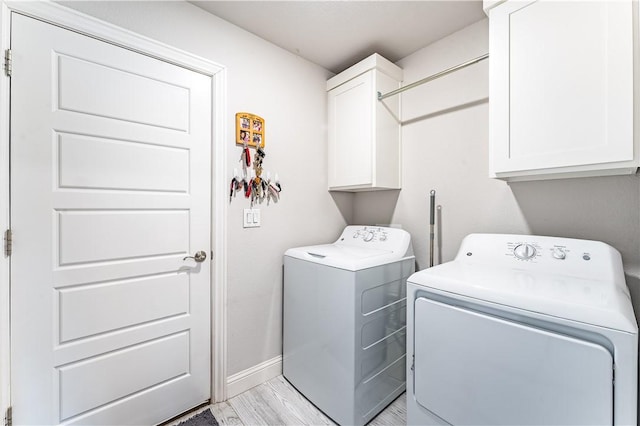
(5, 334)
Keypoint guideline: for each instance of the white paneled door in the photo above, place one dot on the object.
(110, 190)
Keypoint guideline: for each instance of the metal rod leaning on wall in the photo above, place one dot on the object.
(432, 216)
(432, 77)
(439, 233)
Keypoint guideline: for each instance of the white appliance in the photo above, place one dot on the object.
(522, 330)
(344, 337)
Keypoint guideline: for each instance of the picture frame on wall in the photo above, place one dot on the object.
(250, 130)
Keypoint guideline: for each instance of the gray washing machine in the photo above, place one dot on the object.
(344, 321)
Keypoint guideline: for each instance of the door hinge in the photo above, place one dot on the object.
(8, 418)
(8, 242)
(8, 65)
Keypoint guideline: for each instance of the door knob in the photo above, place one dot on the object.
(199, 256)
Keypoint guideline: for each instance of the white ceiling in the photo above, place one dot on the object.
(337, 34)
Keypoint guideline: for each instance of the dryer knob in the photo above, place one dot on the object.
(368, 237)
(524, 251)
(559, 253)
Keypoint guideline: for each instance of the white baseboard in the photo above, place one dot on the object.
(254, 376)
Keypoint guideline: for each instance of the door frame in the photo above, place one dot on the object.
(79, 22)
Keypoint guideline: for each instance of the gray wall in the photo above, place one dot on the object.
(289, 93)
(445, 147)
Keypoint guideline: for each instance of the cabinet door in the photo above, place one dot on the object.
(561, 85)
(351, 132)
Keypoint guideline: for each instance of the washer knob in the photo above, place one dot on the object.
(559, 253)
(369, 236)
(524, 251)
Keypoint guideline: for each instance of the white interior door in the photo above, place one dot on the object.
(110, 190)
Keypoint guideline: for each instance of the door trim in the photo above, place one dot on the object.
(93, 27)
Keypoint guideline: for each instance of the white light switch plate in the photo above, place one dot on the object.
(251, 218)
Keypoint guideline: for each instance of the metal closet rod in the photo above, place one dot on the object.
(432, 77)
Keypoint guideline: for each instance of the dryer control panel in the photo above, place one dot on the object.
(531, 251)
(580, 258)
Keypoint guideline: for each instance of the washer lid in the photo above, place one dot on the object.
(598, 302)
(359, 247)
(343, 257)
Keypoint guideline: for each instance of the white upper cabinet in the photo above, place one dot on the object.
(562, 89)
(364, 133)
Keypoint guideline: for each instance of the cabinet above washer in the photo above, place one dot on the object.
(364, 133)
(562, 89)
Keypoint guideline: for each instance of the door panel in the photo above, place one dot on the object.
(482, 370)
(168, 107)
(350, 132)
(139, 233)
(91, 383)
(110, 190)
(111, 164)
(102, 300)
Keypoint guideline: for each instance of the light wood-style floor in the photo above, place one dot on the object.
(276, 402)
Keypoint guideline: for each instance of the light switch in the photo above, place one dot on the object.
(251, 218)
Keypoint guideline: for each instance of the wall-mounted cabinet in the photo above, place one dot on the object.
(364, 133)
(562, 89)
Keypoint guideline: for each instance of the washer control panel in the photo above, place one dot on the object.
(371, 233)
(375, 237)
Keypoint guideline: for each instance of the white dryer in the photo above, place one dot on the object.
(522, 330)
(344, 324)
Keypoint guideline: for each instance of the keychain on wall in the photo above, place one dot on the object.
(245, 158)
(250, 133)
